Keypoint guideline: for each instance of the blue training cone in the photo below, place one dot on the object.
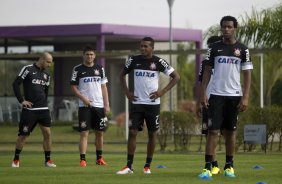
(260, 182)
(257, 167)
(161, 166)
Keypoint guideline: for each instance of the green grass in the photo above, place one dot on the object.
(181, 167)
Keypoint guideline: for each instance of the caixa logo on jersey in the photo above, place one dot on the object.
(144, 74)
(228, 60)
(91, 79)
(41, 82)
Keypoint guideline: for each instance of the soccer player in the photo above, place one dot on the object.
(145, 98)
(35, 80)
(203, 112)
(88, 83)
(227, 99)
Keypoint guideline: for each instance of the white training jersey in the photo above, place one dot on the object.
(146, 73)
(89, 81)
(228, 61)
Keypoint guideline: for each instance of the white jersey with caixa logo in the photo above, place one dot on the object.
(228, 61)
(146, 73)
(89, 81)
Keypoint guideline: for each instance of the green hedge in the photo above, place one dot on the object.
(270, 116)
(181, 126)
(178, 126)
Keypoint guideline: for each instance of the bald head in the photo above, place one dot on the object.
(45, 60)
(45, 55)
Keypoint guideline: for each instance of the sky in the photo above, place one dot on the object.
(195, 14)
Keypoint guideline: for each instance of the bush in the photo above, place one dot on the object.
(181, 126)
(178, 125)
(270, 116)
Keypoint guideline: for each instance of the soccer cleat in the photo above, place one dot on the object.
(50, 163)
(101, 161)
(16, 163)
(215, 170)
(206, 174)
(229, 172)
(147, 170)
(83, 163)
(125, 170)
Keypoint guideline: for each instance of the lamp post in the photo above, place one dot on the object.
(170, 3)
(261, 80)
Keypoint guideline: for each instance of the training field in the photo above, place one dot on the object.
(180, 167)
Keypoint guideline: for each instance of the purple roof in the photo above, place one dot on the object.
(158, 33)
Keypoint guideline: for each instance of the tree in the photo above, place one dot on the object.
(186, 70)
(262, 29)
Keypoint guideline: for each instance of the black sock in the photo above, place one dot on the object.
(208, 160)
(229, 161)
(83, 157)
(47, 155)
(17, 154)
(98, 154)
(130, 161)
(214, 163)
(148, 162)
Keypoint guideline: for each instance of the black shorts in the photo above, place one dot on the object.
(205, 118)
(29, 119)
(92, 118)
(223, 112)
(148, 113)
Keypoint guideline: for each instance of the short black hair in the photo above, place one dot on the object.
(149, 39)
(211, 40)
(229, 18)
(88, 48)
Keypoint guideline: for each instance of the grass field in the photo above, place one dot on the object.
(180, 167)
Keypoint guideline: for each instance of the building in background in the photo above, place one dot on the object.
(113, 45)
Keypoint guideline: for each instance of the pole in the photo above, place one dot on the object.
(126, 113)
(261, 81)
(170, 3)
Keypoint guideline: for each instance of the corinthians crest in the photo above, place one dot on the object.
(152, 66)
(83, 124)
(25, 129)
(96, 72)
(237, 52)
